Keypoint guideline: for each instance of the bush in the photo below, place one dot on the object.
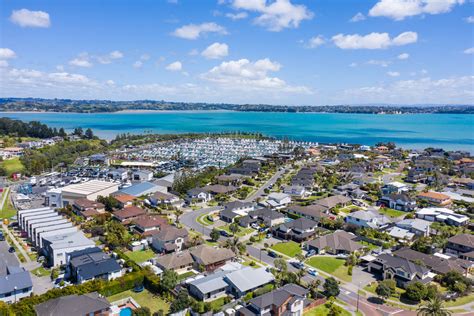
(415, 292)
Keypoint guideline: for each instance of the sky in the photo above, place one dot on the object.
(287, 52)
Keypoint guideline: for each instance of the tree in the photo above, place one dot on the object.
(331, 287)
(415, 291)
(433, 307)
(299, 257)
(78, 131)
(196, 240)
(169, 280)
(333, 309)
(234, 228)
(384, 290)
(215, 234)
(141, 311)
(235, 245)
(62, 133)
(89, 134)
(181, 302)
(178, 213)
(313, 287)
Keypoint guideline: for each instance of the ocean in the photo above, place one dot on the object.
(449, 131)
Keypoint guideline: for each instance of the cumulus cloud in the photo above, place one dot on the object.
(470, 19)
(216, 51)
(373, 40)
(381, 63)
(27, 18)
(7, 53)
(424, 90)
(469, 51)
(315, 41)
(358, 17)
(138, 64)
(400, 9)
(245, 75)
(175, 66)
(194, 31)
(83, 60)
(403, 56)
(275, 15)
(107, 59)
(393, 73)
(237, 16)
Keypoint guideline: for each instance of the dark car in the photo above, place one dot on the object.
(273, 254)
(11, 249)
(2, 237)
(225, 234)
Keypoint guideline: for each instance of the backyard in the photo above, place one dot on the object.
(140, 256)
(145, 299)
(289, 249)
(391, 212)
(12, 166)
(323, 310)
(330, 265)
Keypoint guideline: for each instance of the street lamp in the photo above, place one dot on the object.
(15, 288)
(358, 294)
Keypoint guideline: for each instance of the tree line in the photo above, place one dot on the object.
(34, 129)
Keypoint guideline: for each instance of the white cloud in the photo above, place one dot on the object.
(145, 57)
(424, 90)
(216, 51)
(245, 75)
(276, 15)
(175, 66)
(373, 40)
(83, 60)
(381, 63)
(315, 41)
(469, 51)
(138, 64)
(194, 31)
(7, 53)
(237, 16)
(353, 65)
(400, 9)
(110, 82)
(193, 52)
(107, 59)
(470, 19)
(3, 63)
(27, 18)
(358, 17)
(393, 73)
(403, 56)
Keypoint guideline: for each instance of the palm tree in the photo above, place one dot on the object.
(434, 307)
(178, 213)
(313, 287)
(300, 273)
(197, 240)
(299, 257)
(235, 245)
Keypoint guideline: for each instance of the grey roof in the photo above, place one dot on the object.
(15, 277)
(175, 260)
(168, 233)
(301, 224)
(266, 213)
(333, 201)
(211, 282)
(93, 262)
(73, 305)
(415, 223)
(463, 239)
(339, 240)
(68, 240)
(141, 188)
(237, 205)
(228, 214)
(314, 210)
(280, 296)
(205, 254)
(393, 262)
(249, 278)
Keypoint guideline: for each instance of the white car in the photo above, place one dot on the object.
(312, 272)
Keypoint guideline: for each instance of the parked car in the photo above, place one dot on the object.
(312, 272)
(225, 234)
(310, 253)
(298, 265)
(11, 250)
(2, 237)
(273, 254)
(341, 255)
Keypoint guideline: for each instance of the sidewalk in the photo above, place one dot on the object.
(17, 244)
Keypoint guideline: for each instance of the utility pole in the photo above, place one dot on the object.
(358, 294)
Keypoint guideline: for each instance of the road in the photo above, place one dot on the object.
(253, 197)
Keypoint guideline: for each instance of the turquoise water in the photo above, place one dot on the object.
(127, 311)
(449, 131)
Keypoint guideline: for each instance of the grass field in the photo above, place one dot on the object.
(203, 220)
(12, 166)
(41, 272)
(186, 275)
(290, 248)
(323, 310)
(391, 212)
(242, 232)
(330, 265)
(145, 299)
(460, 301)
(140, 256)
(8, 210)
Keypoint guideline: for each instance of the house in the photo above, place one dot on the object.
(435, 198)
(199, 195)
(178, 261)
(148, 225)
(290, 299)
(402, 235)
(118, 174)
(128, 214)
(402, 270)
(277, 201)
(247, 279)
(299, 230)
(394, 188)
(438, 264)
(334, 201)
(234, 209)
(15, 283)
(209, 287)
(92, 263)
(169, 239)
(417, 226)
(339, 242)
(124, 199)
(415, 176)
(88, 209)
(304, 177)
(396, 201)
(160, 198)
(142, 175)
(314, 212)
(263, 216)
(295, 190)
(87, 304)
(143, 189)
(209, 258)
(442, 215)
(231, 179)
(58, 245)
(369, 218)
(460, 245)
(220, 189)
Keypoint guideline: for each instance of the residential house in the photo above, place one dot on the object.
(442, 215)
(339, 242)
(417, 226)
(148, 225)
(234, 209)
(290, 299)
(402, 270)
(124, 199)
(209, 258)
(262, 216)
(299, 230)
(143, 189)
(178, 261)
(87, 208)
(231, 179)
(295, 190)
(215, 189)
(400, 202)
(402, 235)
(209, 287)
(247, 279)
(15, 283)
(169, 239)
(198, 195)
(334, 201)
(435, 198)
(277, 201)
(56, 246)
(314, 212)
(92, 263)
(128, 214)
(87, 304)
(460, 245)
(369, 218)
(415, 176)
(394, 188)
(161, 198)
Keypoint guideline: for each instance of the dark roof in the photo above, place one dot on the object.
(266, 213)
(219, 188)
(208, 255)
(463, 239)
(129, 212)
(301, 224)
(168, 233)
(394, 262)
(280, 296)
(73, 305)
(236, 205)
(92, 262)
(339, 240)
(16, 277)
(315, 210)
(228, 214)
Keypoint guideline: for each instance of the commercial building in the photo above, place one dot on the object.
(88, 190)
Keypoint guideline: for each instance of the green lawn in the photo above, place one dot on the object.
(391, 212)
(322, 310)
(203, 220)
(217, 303)
(145, 299)
(41, 272)
(242, 232)
(186, 275)
(8, 210)
(368, 245)
(140, 256)
(12, 166)
(395, 297)
(330, 265)
(290, 248)
(460, 301)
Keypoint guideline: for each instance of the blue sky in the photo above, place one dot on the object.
(240, 51)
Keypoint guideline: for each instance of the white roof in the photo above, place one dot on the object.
(89, 187)
(249, 278)
(397, 184)
(69, 240)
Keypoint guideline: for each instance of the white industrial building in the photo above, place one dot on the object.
(22, 213)
(57, 247)
(87, 190)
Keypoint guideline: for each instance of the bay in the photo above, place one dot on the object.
(448, 131)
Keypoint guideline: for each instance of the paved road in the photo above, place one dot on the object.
(17, 244)
(7, 258)
(261, 190)
(190, 219)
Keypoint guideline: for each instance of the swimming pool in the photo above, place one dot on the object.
(127, 311)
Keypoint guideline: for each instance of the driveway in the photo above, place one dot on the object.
(361, 278)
